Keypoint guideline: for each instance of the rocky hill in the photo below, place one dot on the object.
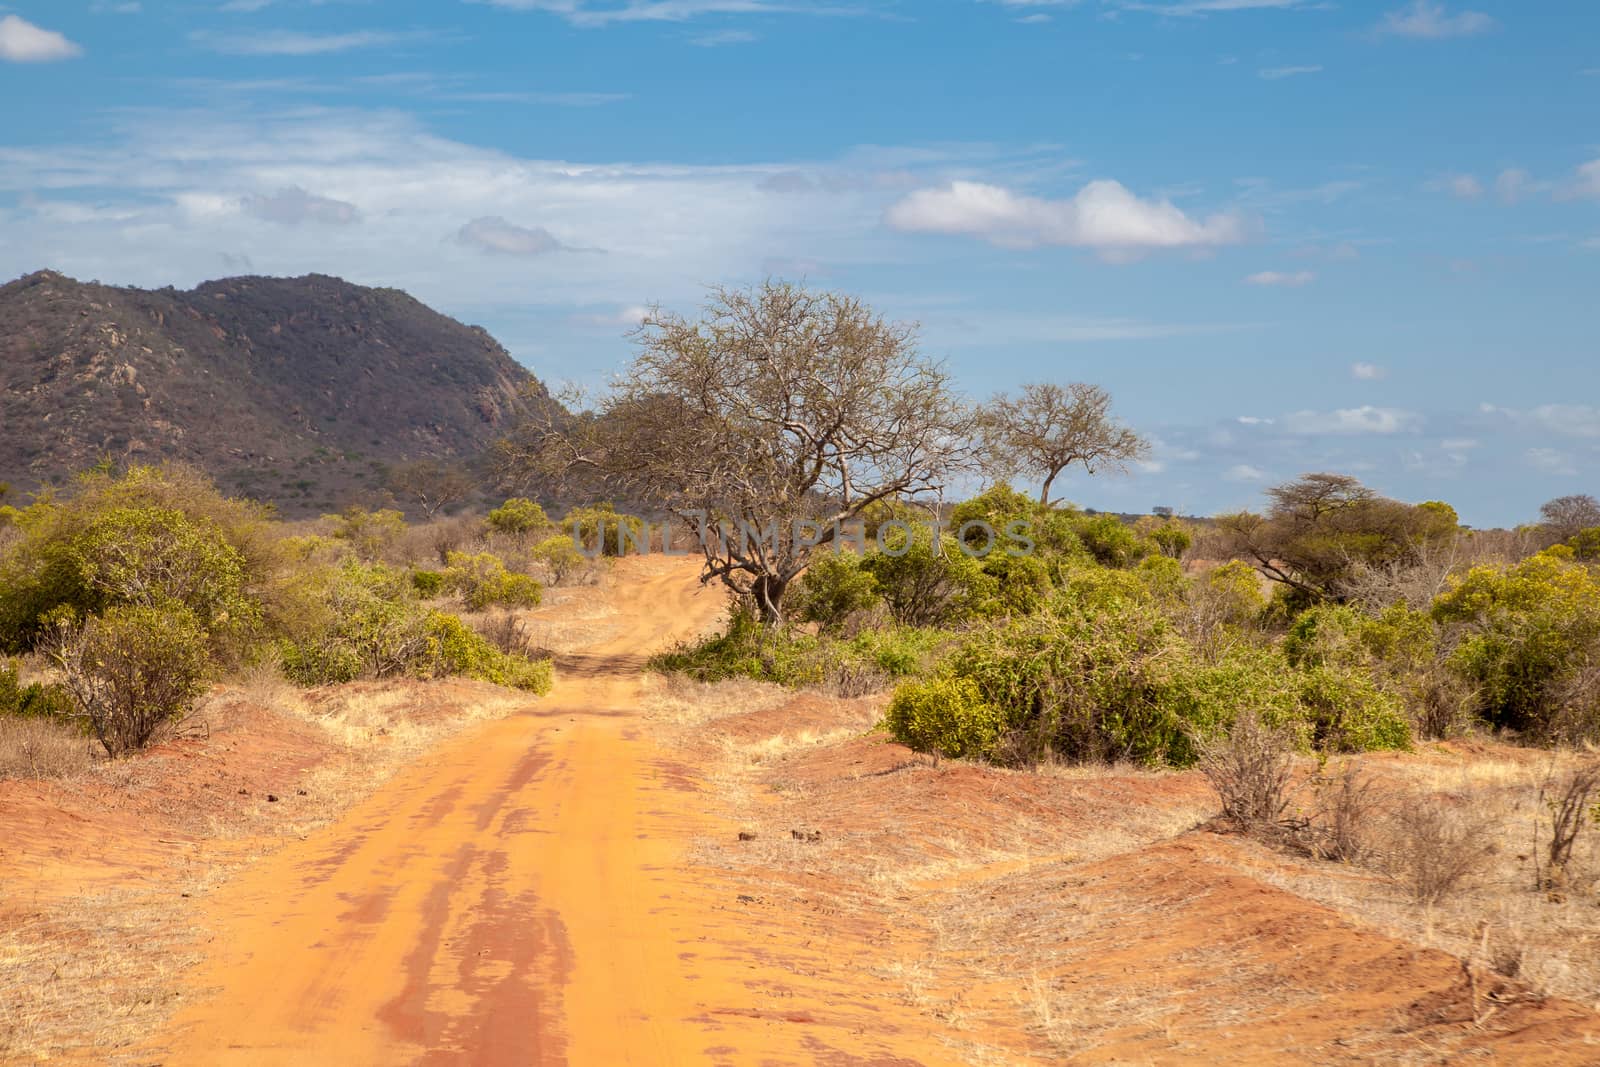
(302, 391)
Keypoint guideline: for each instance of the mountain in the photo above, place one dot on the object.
(301, 391)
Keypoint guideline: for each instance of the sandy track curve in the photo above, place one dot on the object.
(518, 896)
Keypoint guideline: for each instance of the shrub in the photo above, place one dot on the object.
(834, 589)
(482, 580)
(1110, 540)
(1349, 713)
(428, 584)
(1084, 685)
(746, 649)
(370, 534)
(1022, 583)
(603, 532)
(130, 670)
(31, 700)
(1585, 544)
(519, 515)
(928, 583)
(454, 648)
(364, 621)
(945, 717)
(1438, 844)
(1250, 767)
(359, 620)
(1232, 593)
(559, 557)
(149, 537)
(1525, 632)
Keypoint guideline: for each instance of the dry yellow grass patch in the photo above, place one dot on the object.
(40, 748)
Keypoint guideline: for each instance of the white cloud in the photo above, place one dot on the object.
(1460, 186)
(1551, 461)
(1244, 472)
(1587, 183)
(721, 38)
(590, 14)
(290, 43)
(109, 7)
(1362, 420)
(1292, 279)
(1567, 420)
(1367, 372)
(1278, 73)
(23, 42)
(1254, 420)
(1103, 215)
(1194, 8)
(494, 234)
(292, 205)
(1513, 184)
(1425, 19)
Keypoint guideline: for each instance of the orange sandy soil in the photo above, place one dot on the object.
(570, 885)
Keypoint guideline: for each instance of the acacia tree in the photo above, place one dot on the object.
(432, 485)
(1047, 428)
(1321, 528)
(777, 416)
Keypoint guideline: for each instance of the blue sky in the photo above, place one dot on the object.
(1288, 235)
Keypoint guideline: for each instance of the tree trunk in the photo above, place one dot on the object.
(767, 592)
(1044, 494)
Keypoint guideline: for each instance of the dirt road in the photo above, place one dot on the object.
(518, 897)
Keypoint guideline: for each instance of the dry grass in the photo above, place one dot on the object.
(1492, 915)
(40, 748)
(90, 974)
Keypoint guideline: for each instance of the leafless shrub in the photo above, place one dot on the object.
(41, 748)
(1414, 580)
(1569, 800)
(1441, 702)
(1436, 845)
(1576, 702)
(1340, 827)
(507, 631)
(1250, 769)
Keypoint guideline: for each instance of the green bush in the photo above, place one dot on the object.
(428, 584)
(927, 584)
(1523, 636)
(483, 581)
(131, 669)
(358, 620)
(1585, 544)
(602, 531)
(364, 621)
(745, 648)
(559, 556)
(455, 648)
(150, 537)
(1232, 593)
(945, 717)
(834, 589)
(1092, 684)
(1022, 583)
(1110, 540)
(1171, 539)
(1350, 713)
(519, 515)
(370, 534)
(31, 700)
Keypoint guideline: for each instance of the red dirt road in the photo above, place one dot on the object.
(517, 897)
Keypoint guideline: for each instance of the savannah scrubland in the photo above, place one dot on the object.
(1317, 783)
